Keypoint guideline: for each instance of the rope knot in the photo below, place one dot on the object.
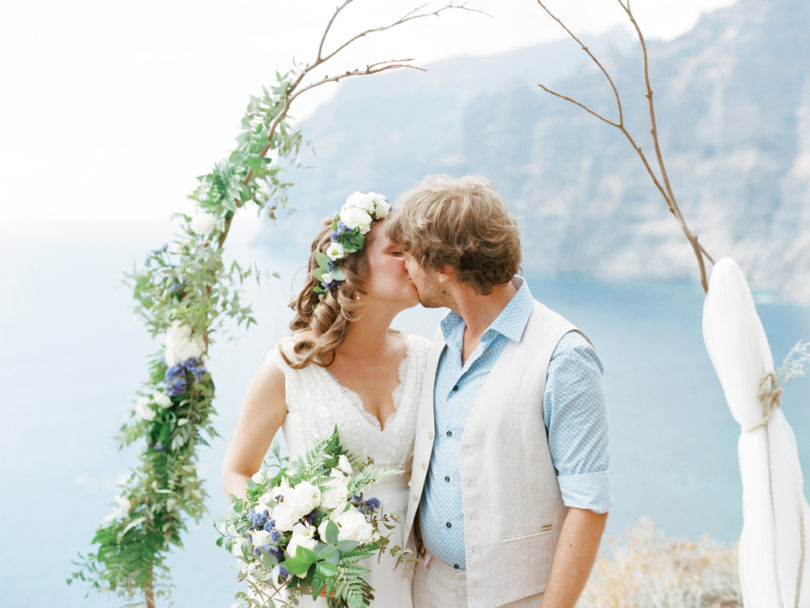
(769, 396)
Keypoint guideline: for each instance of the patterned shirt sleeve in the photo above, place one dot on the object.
(575, 411)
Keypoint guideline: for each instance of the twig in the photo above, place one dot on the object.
(374, 68)
(665, 188)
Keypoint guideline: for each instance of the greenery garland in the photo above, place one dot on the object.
(185, 292)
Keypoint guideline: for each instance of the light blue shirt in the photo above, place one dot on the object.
(575, 414)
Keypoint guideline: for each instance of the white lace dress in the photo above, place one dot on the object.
(316, 402)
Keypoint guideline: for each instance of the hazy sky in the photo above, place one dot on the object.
(110, 109)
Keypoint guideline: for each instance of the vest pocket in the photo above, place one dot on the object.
(546, 529)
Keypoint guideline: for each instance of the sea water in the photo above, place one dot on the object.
(73, 355)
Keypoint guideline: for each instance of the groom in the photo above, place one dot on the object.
(510, 487)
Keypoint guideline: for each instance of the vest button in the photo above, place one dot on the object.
(447, 478)
(449, 433)
(449, 525)
(456, 566)
(455, 388)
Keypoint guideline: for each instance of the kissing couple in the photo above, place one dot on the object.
(499, 422)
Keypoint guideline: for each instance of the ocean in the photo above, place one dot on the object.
(73, 355)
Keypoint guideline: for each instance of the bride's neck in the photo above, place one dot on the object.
(367, 336)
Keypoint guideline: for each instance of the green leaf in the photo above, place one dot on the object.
(322, 259)
(332, 532)
(338, 274)
(328, 552)
(347, 545)
(305, 554)
(297, 566)
(327, 569)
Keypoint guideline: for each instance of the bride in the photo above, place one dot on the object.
(343, 365)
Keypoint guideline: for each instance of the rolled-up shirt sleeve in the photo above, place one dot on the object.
(575, 414)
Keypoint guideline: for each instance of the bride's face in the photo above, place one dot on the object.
(387, 278)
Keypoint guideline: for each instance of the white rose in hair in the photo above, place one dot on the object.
(360, 201)
(326, 278)
(302, 536)
(162, 399)
(182, 344)
(142, 407)
(354, 217)
(353, 526)
(203, 223)
(383, 208)
(335, 251)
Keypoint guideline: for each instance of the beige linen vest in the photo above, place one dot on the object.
(511, 498)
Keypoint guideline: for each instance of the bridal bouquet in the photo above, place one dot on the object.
(303, 528)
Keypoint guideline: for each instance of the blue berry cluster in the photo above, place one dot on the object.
(261, 521)
(366, 507)
(175, 380)
(341, 230)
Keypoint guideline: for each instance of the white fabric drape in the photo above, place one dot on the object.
(774, 567)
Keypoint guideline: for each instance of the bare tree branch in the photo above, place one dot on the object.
(295, 89)
(409, 16)
(665, 188)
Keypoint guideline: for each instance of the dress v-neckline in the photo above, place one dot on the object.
(357, 402)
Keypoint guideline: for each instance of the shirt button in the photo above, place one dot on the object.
(415, 497)
(449, 525)
(456, 566)
(447, 478)
(449, 433)
(430, 435)
(424, 466)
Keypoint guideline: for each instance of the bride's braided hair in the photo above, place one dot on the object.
(320, 325)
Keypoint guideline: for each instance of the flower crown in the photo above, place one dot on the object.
(349, 229)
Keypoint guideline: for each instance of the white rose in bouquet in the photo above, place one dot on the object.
(182, 344)
(303, 535)
(203, 223)
(236, 549)
(142, 407)
(336, 491)
(285, 516)
(162, 399)
(353, 526)
(303, 498)
(344, 465)
(354, 217)
(260, 538)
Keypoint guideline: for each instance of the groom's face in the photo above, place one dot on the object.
(431, 291)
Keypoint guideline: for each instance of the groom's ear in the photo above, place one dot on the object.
(445, 274)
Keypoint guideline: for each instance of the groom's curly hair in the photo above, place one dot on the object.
(461, 223)
(320, 326)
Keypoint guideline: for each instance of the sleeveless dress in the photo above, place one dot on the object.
(317, 402)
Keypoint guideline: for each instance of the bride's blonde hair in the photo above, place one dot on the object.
(320, 326)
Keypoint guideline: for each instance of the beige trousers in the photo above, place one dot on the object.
(439, 585)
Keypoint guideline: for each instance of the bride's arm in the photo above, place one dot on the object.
(263, 412)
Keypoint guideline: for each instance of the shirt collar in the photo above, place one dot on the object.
(509, 323)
